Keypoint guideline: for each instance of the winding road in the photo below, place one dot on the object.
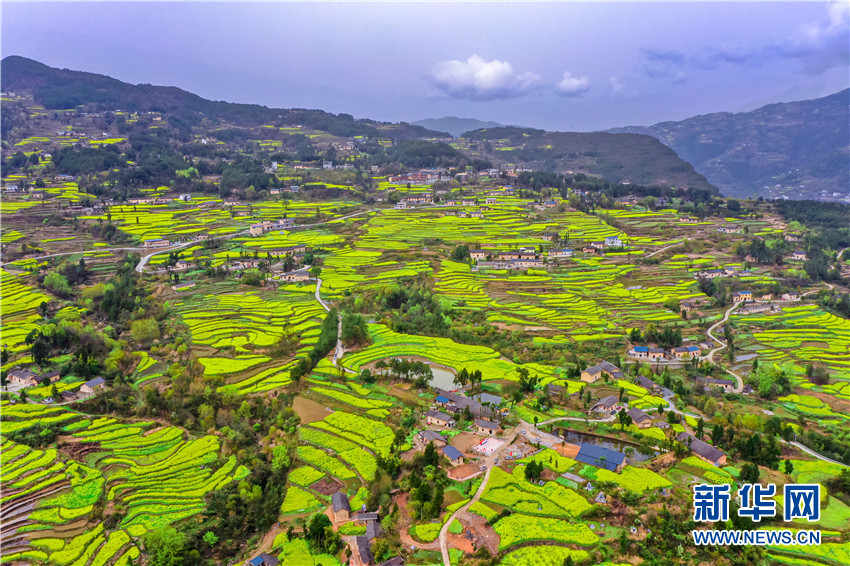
(664, 249)
(710, 357)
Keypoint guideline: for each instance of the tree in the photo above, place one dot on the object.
(145, 330)
(624, 419)
(749, 473)
(210, 538)
(789, 467)
(165, 547)
(460, 253)
(57, 283)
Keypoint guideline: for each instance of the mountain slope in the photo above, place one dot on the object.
(618, 158)
(63, 88)
(455, 126)
(795, 149)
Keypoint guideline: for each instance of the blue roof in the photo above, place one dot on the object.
(257, 561)
(441, 399)
(600, 457)
(641, 349)
(452, 452)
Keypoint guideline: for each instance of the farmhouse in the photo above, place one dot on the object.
(478, 254)
(561, 252)
(550, 204)
(641, 419)
(142, 200)
(605, 405)
(302, 274)
(710, 274)
(648, 384)
(726, 385)
(742, 296)
(731, 229)
(525, 263)
(156, 243)
(439, 418)
(183, 286)
(487, 427)
(687, 306)
(93, 385)
(592, 374)
(492, 200)
(428, 436)
(23, 377)
(798, 256)
(263, 559)
(455, 403)
(600, 457)
(639, 352)
(689, 219)
(756, 308)
(790, 296)
(506, 256)
(296, 249)
(550, 236)
(793, 237)
(614, 242)
(469, 202)
(686, 352)
(340, 507)
(703, 450)
(453, 454)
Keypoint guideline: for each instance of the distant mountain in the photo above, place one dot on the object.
(62, 89)
(455, 126)
(618, 158)
(799, 150)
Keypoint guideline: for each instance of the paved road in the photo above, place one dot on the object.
(665, 249)
(488, 461)
(710, 356)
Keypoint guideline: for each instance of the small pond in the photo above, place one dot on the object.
(443, 378)
(576, 437)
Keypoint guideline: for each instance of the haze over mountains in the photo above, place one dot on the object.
(794, 149)
(455, 126)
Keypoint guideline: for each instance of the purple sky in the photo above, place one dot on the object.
(555, 66)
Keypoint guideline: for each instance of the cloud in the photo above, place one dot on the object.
(815, 47)
(477, 79)
(572, 86)
(616, 84)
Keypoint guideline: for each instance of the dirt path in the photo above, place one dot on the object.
(489, 461)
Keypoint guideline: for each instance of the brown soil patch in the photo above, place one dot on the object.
(326, 486)
(309, 411)
(464, 471)
(465, 441)
(76, 450)
(475, 533)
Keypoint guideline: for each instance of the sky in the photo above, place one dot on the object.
(557, 66)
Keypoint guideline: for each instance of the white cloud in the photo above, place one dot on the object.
(616, 84)
(477, 79)
(572, 86)
(815, 46)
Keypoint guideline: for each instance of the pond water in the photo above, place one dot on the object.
(576, 437)
(443, 378)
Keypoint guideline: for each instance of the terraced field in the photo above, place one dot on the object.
(154, 473)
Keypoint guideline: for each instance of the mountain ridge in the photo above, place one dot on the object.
(798, 149)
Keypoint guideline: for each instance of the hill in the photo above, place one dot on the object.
(795, 149)
(617, 158)
(455, 126)
(62, 89)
